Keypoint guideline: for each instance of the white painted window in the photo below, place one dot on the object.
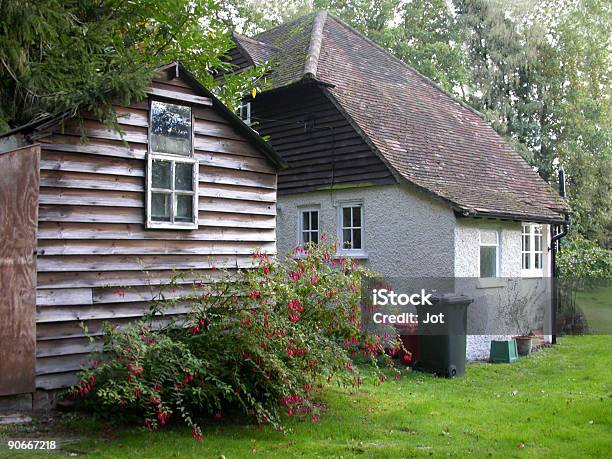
(489, 253)
(244, 113)
(172, 172)
(351, 225)
(531, 250)
(308, 226)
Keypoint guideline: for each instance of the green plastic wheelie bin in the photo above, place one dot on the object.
(442, 345)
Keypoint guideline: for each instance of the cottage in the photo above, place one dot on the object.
(190, 187)
(408, 179)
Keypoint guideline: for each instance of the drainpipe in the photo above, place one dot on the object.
(555, 247)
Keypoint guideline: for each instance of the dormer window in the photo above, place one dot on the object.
(172, 172)
(244, 113)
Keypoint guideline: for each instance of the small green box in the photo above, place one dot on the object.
(504, 351)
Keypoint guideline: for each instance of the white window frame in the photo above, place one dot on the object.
(530, 230)
(173, 159)
(341, 251)
(244, 113)
(300, 234)
(497, 251)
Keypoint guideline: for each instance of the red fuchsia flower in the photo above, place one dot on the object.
(398, 376)
(294, 317)
(245, 322)
(298, 249)
(195, 330)
(150, 341)
(162, 417)
(314, 418)
(295, 275)
(149, 424)
(255, 294)
(382, 378)
(266, 270)
(197, 433)
(156, 387)
(154, 400)
(314, 279)
(187, 378)
(201, 322)
(295, 305)
(407, 358)
(218, 416)
(137, 392)
(289, 412)
(307, 387)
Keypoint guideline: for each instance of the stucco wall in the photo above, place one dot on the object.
(407, 233)
(467, 256)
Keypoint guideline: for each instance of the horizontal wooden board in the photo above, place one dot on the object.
(79, 279)
(75, 162)
(98, 147)
(83, 197)
(130, 263)
(103, 311)
(63, 296)
(147, 247)
(69, 230)
(59, 179)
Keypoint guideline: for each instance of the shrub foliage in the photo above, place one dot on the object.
(261, 342)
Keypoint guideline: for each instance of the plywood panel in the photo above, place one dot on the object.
(18, 221)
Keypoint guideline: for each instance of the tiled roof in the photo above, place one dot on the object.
(425, 135)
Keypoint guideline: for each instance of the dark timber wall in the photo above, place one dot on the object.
(317, 141)
(92, 243)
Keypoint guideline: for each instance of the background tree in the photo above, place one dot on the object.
(60, 56)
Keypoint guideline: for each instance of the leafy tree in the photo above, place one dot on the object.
(58, 56)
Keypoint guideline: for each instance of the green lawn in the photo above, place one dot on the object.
(555, 403)
(596, 304)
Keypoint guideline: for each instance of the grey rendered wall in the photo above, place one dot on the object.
(407, 233)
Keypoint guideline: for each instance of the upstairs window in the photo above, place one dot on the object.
(308, 226)
(172, 173)
(531, 250)
(244, 113)
(489, 253)
(351, 229)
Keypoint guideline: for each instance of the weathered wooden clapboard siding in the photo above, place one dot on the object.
(319, 144)
(92, 243)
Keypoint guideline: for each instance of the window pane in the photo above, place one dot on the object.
(357, 238)
(538, 243)
(346, 239)
(305, 221)
(314, 220)
(538, 261)
(160, 207)
(314, 237)
(526, 261)
(170, 128)
(162, 170)
(488, 237)
(346, 217)
(184, 208)
(357, 216)
(488, 261)
(526, 240)
(305, 237)
(183, 176)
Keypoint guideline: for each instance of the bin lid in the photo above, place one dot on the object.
(452, 298)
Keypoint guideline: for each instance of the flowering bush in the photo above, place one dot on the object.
(263, 342)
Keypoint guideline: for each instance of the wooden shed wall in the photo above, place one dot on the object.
(316, 140)
(92, 243)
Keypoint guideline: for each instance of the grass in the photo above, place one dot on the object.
(555, 403)
(596, 304)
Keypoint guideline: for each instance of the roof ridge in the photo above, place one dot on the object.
(314, 47)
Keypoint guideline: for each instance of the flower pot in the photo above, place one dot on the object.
(523, 344)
